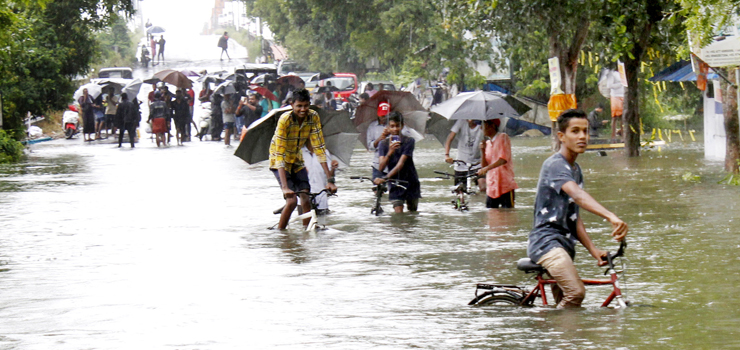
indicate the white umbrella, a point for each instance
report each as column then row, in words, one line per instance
column 225, row 88
column 477, row 105
column 94, row 90
column 132, row 89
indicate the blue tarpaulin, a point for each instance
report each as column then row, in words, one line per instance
column 680, row 71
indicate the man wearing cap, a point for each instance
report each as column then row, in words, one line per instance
column 376, row 132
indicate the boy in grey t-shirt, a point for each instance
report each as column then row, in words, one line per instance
column 557, row 222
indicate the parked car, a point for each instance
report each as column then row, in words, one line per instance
column 287, row 66
column 306, row 76
column 343, row 85
column 386, row 84
column 116, row 72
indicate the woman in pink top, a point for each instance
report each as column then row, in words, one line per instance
column 497, row 166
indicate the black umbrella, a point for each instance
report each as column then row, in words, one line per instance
column 340, row 135
column 320, row 76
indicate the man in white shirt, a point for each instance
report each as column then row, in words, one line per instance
column 616, row 92
column 469, row 137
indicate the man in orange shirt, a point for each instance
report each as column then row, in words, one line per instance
column 497, row 166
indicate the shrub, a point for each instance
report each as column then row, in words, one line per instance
column 10, row 150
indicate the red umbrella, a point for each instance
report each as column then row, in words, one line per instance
column 174, row 77
column 291, row 79
column 264, row 92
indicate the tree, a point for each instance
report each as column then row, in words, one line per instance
column 419, row 36
column 530, row 32
column 47, row 44
column 629, row 28
column 704, row 19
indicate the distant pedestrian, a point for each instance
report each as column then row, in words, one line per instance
column 251, row 110
column 330, row 104
column 160, row 55
column 223, row 43
column 190, row 95
column 99, row 109
column 153, row 44
column 127, row 115
column 217, row 121
column 469, row 137
column 182, row 116
column 111, row 104
column 594, row 121
column 364, row 97
column 227, row 108
column 497, row 166
column 266, row 105
column 87, row 105
column 370, row 90
column 616, row 93
column 205, row 93
column 158, row 113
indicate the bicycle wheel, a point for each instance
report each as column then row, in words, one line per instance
column 499, row 300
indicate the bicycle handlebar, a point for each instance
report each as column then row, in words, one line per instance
column 448, row 175
column 620, row 252
column 387, row 180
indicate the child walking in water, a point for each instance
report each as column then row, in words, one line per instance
column 397, row 153
column 557, row 221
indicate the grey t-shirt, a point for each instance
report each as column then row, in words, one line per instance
column 555, row 213
column 468, row 144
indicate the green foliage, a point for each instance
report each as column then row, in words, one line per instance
column 10, row 149
column 419, row 38
column 116, row 44
column 706, row 18
column 690, row 177
column 45, row 44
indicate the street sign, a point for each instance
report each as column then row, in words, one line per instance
column 722, row 53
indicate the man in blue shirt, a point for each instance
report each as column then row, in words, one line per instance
column 557, row 222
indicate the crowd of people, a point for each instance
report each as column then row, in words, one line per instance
column 108, row 112
column 560, row 194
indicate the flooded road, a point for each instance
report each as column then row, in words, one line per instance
column 106, row 248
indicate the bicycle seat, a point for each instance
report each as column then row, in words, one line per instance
column 529, row 266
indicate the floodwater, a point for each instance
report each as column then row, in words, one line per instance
column 168, row 248
column 106, row 248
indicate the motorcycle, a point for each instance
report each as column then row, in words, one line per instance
column 350, row 105
column 71, row 122
column 144, row 57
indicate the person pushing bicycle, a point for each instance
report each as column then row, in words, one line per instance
column 294, row 129
column 557, row 222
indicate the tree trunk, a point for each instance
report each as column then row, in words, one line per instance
column 732, row 125
column 568, row 57
column 631, row 114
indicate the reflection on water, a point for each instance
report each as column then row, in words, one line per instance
column 169, row 248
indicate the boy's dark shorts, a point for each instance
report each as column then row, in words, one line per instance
column 505, row 201
column 411, row 204
column 297, row 181
column 228, row 125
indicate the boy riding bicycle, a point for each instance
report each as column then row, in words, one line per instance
column 557, row 222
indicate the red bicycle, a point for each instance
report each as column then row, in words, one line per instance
column 502, row 294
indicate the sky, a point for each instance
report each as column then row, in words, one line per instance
column 181, row 16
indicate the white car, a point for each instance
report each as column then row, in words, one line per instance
column 386, row 84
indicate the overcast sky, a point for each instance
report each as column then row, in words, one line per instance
column 182, row 16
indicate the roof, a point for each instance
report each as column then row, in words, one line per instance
column 679, row 71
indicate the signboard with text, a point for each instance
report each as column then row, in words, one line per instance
column 722, row 53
